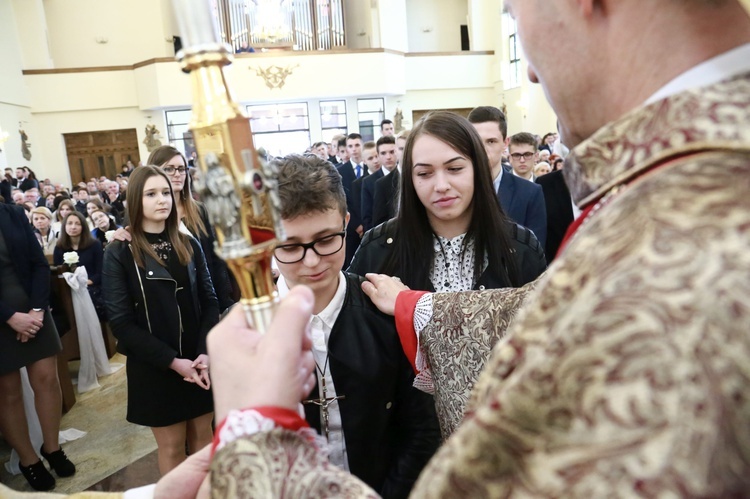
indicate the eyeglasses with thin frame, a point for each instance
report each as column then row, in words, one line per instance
column 323, row 246
column 171, row 170
column 525, row 155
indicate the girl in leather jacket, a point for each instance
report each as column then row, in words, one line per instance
column 161, row 305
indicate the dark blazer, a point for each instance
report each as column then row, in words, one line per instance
column 220, row 276
column 346, row 170
column 30, row 263
column 523, row 202
column 559, row 210
column 81, row 208
column 142, row 308
column 385, row 198
column 377, row 246
column 5, row 191
column 28, row 183
column 368, row 198
column 390, row 428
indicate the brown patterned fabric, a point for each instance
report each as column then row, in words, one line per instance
column 627, row 372
column 458, row 341
column 280, row 464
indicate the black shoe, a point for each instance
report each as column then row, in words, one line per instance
column 59, row 462
column 38, row 476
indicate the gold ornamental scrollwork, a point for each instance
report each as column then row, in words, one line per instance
column 274, row 76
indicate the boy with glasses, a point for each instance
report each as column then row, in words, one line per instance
column 377, row 425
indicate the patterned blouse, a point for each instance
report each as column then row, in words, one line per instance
column 453, row 268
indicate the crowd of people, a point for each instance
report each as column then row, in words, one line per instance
column 147, row 245
column 433, row 352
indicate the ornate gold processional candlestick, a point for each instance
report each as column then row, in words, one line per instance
column 238, row 188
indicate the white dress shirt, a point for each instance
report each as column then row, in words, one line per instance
column 321, row 326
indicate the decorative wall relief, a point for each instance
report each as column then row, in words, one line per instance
column 151, row 142
column 25, row 145
column 274, row 76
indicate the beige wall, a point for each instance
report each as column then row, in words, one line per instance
column 14, row 98
column 442, row 18
column 134, row 30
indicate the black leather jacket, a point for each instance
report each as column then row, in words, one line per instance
column 390, row 428
column 377, row 245
column 142, row 308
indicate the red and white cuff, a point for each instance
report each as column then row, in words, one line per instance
column 245, row 422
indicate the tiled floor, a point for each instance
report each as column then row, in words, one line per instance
column 142, row 472
column 114, row 455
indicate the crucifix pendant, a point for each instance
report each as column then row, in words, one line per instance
column 324, row 402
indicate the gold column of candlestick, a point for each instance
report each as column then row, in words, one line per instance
column 238, row 188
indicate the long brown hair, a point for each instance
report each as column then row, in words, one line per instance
column 161, row 156
column 140, row 246
column 65, row 202
column 84, row 240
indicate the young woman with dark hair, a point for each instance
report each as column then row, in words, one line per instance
column 75, row 236
column 103, row 223
column 450, row 233
column 194, row 217
column 161, row 304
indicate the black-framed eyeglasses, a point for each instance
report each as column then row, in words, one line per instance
column 525, row 155
column 323, row 246
column 170, row 170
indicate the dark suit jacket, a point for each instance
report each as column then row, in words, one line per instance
column 390, row 428
column 346, row 170
column 5, row 191
column 559, row 210
column 368, row 198
column 523, row 202
column 27, row 255
column 28, row 183
column 385, row 199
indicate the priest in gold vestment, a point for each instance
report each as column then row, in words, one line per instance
column 625, row 371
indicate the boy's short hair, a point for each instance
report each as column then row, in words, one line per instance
column 368, row 145
column 353, row 136
column 385, row 139
column 341, row 143
column 523, row 138
column 309, row 185
column 404, row 134
column 484, row 114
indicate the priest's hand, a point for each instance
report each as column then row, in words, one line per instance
column 253, row 370
column 383, row 290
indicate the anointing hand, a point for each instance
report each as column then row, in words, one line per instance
column 253, row 370
column 383, row 290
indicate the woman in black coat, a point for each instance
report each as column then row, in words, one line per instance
column 28, row 338
column 161, row 304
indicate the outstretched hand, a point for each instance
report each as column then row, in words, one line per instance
column 383, row 291
column 253, row 370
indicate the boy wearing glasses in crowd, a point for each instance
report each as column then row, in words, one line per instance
column 378, row 426
column 523, row 155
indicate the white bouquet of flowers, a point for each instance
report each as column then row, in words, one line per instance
column 70, row 258
column 109, row 235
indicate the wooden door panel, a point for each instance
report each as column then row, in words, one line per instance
column 97, row 153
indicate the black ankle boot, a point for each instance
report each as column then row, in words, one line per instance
column 59, row 462
column 38, row 476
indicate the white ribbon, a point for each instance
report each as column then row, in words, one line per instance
column 94, row 359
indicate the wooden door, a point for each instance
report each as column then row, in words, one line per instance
column 100, row 153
